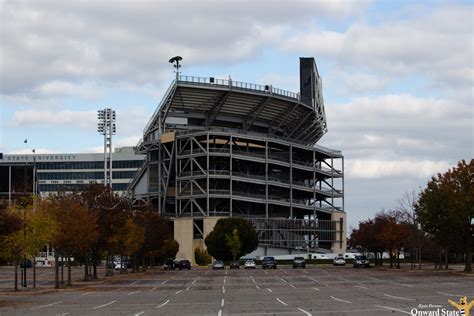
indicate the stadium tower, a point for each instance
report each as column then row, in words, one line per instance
column 217, row 148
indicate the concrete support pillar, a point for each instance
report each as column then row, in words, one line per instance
column 340, row 245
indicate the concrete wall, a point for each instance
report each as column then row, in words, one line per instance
column 183, row 234
column 336, row 246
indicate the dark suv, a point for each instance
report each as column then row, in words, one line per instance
column 299, row 262
column 269, row 262
column 168, row 264
column 184, row 264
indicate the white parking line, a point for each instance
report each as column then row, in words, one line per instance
column 304, row 271
column 258, row 287
column 194, row 281
column 283, row 280
column 131, row 293
column 222, row 303
column 281, row 301
column 87, row 293
column 163, row 304
column 361, row 286
column 164, row 281
column 447, row 294
column 400, row 298
column 187, row 289
column 253, row 280
column 338, row 299
column 178, row 292
column 314, row 280
column 293, row 286
column 154, row 288
column 100, row 306
column 315, row 288
column 270, row 290
column 393, row 309
column 302, row 310
column 265, row 272
column 138, row 314
column 223, row 290
column 219, row 313
column 407, row 285
column 47, row 305
column 134, row 282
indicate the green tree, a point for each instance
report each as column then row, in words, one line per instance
column 216, row 241
column 445, row 209
column 234, row 244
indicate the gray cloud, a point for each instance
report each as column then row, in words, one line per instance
column 132, row 40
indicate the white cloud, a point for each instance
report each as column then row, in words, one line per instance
column 29, row 151
column 31, row 118
column 62, row 88
column 437, row 44
column 127, row 141
column 400, row 127
column 369, row 168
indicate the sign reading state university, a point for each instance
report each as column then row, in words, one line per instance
column 42, row 157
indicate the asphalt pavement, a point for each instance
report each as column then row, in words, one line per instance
column 316, row 290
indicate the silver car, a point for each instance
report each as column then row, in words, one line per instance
column 250, row 264
column 218, row 264
column 339, row 260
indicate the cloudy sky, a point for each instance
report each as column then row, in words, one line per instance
column 397, row 75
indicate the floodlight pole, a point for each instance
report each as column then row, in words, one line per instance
column 106, row 126
column 175, row 61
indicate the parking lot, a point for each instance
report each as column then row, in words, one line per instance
column 316, row 290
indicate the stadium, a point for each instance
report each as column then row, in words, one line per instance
column 218, row 148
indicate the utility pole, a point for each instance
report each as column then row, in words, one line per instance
column 106, row 126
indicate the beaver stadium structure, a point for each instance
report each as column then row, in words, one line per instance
column 217, row 148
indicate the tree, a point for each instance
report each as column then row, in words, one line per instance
column 216, row 241
column 446, row 209
column 365, row 238
column 77, row 229
column 157, row 242
column 201, row 257
column 42, row 227
column 10, row 247
column 130, row 241
column 234, row 244
column 110, row 212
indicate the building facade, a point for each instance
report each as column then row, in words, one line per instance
column 53, row 173
column 217, row 148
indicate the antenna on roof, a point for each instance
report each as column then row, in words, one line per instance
column 175, row 60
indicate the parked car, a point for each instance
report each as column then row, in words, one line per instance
column 299, row 262
column 361, row 261
column 184, row 264
column 339, row 260
column 169, row 264
column 269, row 262
column 250, row 264
column 218, row 264
column 235, row 265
